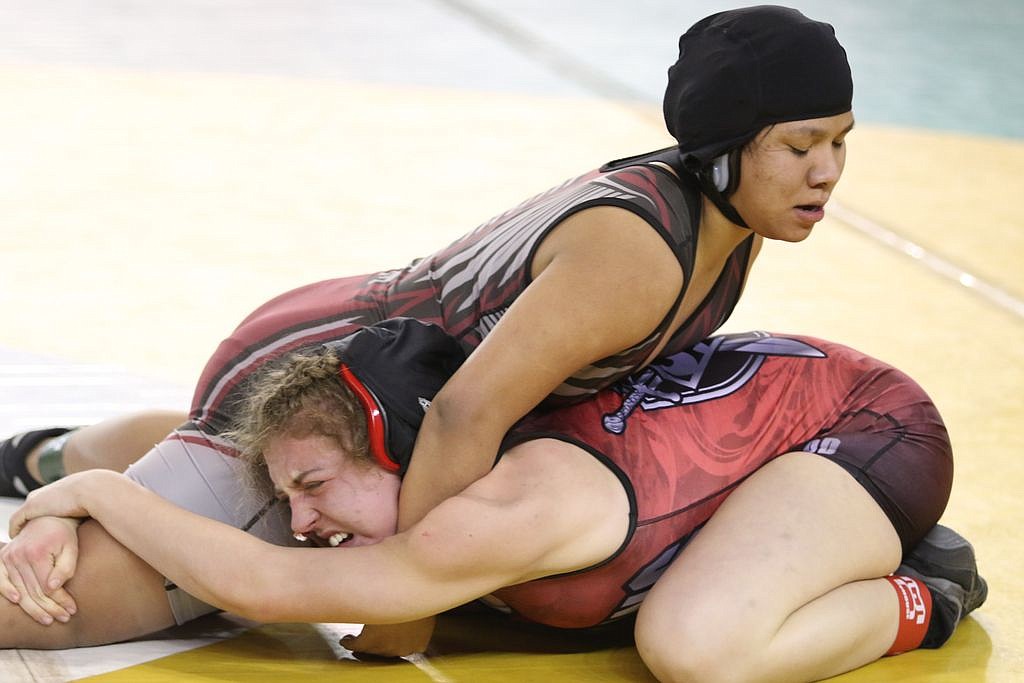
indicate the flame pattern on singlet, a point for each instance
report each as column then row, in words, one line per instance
column 682, row 434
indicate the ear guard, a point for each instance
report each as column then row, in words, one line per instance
column 718, row 180
column 395, row 368
column 376, row 421
column 725, row 172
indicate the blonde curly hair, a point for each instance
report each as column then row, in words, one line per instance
column 301, row 395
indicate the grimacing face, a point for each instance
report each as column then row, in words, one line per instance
column 335, row 498
column 788, row 173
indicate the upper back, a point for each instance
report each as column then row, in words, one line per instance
column 470, row 284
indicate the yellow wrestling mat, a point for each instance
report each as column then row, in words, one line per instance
column 161, row 209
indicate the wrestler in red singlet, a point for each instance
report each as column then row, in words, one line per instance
column 683, row 433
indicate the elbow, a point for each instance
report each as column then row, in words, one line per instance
column 242, row 597
column 263, row 605
column 276, row 590
column 451, row 409
column 456, row 415
column 270, row 595
column 458, row 436
column 249, row 593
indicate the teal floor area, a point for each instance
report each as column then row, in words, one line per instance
column 942, row 64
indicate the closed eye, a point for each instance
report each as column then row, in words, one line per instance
column 307, row 487
column 797, row 151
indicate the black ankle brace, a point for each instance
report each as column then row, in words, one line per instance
column 15, row 479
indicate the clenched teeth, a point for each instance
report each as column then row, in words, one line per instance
column 337, row 539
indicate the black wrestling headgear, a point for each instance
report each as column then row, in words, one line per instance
column 395, row 368
column 741, row 70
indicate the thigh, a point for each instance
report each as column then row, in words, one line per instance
column 190, row 469
column 117, row 442
column 902, row 458
column 796, row 529
column 118, row 595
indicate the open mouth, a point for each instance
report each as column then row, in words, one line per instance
column 338, row 539
column 810, row 213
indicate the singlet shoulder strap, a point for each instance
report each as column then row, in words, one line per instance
column 669, row 156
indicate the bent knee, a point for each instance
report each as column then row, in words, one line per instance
column 688, row 647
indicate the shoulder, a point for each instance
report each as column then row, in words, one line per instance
column 605, row 235
column 547, row 507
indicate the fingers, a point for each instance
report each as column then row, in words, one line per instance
column 23, row 515
column 35, row 568
column 34, row 602
column 64, row 600
column 62, row 498
column 16, row 522
column 63, row 567
column 371, row 647
column 33, row 590
column 41, row 502
column 7, row 588
column 392, row 640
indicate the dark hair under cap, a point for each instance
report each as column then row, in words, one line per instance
column 395, row 368
column 741, row 70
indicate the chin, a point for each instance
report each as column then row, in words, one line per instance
column 796, row 234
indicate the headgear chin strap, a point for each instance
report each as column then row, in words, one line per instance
column 395, row 368
column 723, row 204
column 715, row 191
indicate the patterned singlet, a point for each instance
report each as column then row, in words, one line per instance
column 468, row 286
column 684, row 432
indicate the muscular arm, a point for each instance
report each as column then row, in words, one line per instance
column 520, row 522
column 602, row 282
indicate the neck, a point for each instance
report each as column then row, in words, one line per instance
column 717, row 232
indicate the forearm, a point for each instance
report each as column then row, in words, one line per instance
column 198, row 554
column 232, row 570
column 450, row 454
column 387, row 582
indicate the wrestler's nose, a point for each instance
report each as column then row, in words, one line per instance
column 827, row 168
column 304, row 517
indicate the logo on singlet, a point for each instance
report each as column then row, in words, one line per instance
column 716, row 367
column 635, row 589
column 828, row 445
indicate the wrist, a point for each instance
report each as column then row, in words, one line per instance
column 98, row 488
column 71, row 522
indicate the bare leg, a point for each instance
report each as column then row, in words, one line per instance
column 782, row 584
column 113, row 444
column 119, row 597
